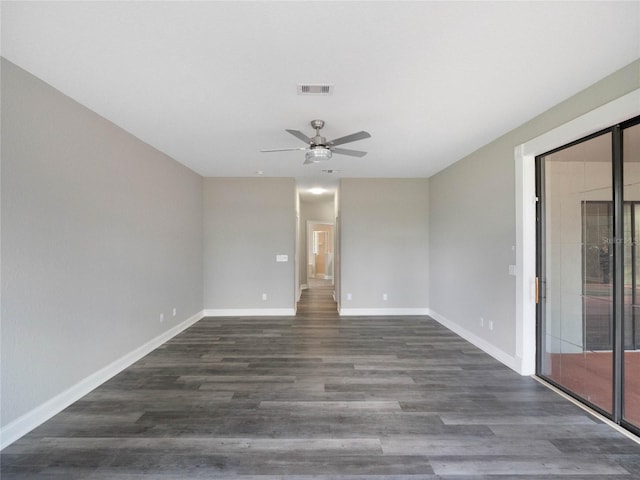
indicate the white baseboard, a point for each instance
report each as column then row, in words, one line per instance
column 379, row 312
column 513, row 363
column 30, row 420
column 249, row 312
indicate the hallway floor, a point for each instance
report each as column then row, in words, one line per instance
column 319, row 397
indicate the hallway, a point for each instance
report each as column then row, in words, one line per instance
column 317, row 299
column 324, row 397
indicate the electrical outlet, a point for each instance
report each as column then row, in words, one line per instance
column 385, row 297
column 174, row 311
column 481, row 321
column 264, row 297
column 490, row 324
column 349, row 296
column 161, row 317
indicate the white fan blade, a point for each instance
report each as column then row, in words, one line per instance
column 281, row 149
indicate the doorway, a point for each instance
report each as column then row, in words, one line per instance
column 317, row 252
column 320, row 253
column 588, row 303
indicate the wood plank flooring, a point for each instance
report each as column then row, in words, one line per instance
column 321, row 397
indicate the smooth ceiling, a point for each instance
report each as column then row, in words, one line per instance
column 211, row 83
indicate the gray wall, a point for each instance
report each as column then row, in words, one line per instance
column 472, row 221
column 100, row 235
column 323, row 211
column 247, row 222
column 384, row 241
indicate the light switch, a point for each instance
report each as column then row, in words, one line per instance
column 282, row 258
column 512, row 270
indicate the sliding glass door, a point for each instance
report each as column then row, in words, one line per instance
column 588, row 280
column 577, row 283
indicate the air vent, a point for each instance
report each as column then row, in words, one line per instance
column 331, row 171
column 314, row 89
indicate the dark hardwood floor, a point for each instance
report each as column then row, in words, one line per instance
column 321, row 397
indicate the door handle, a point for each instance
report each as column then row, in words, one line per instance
column 537, row 291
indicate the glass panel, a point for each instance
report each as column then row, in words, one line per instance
column 577, row 304
column 631, row 175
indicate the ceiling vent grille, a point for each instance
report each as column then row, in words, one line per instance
column 314, row 89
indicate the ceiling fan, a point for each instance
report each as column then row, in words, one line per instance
column 319, row 148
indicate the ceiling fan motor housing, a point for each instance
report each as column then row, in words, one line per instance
column 318, row 141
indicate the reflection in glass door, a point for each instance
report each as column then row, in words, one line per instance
column 588, row 270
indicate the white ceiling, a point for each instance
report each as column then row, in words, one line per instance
column 211, row 83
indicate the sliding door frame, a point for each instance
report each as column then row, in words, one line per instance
column 620, row 360
column 541, row 274
column 618, row 272
column 617, row 242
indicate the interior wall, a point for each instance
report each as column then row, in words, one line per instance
column 247, row 222
column 323, row 211
column 384, row 241
column 101, row 234
column 472, row 223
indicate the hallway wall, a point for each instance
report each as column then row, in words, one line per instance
column 247, row 222
column 384, row 241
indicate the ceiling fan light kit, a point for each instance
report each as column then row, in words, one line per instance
column 317, row 154
column 319, row 149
